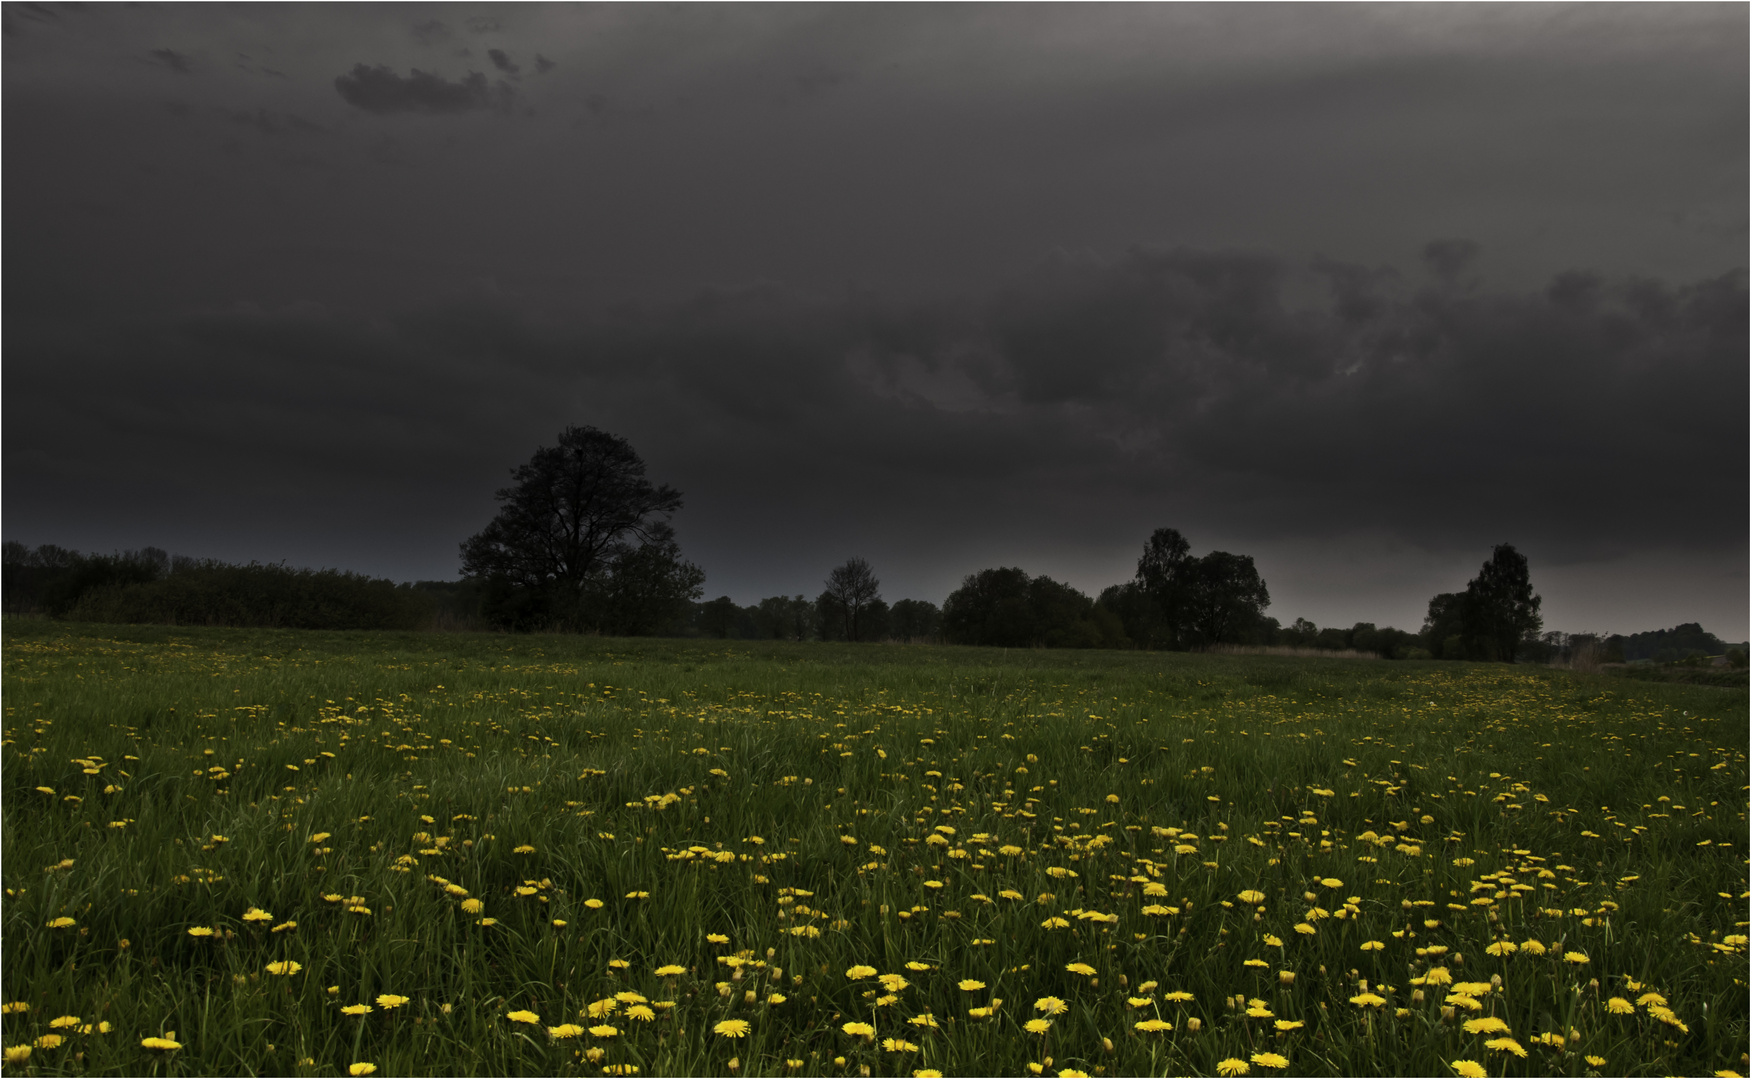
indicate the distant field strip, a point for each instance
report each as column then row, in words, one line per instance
column 305, row 853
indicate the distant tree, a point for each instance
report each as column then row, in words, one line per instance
column 1165, row 576
column 718, row 617
column 1682, row 641
column 1501, row 608
column 1006, row 607
column 850, row 589
column 577, row 513
column 644, row 589
column 1130, row 607
column 1444, row 626
column 786, row 617
column 990, row 608
column 915, row 620
column 1224, row 599
column 1300, row 633
column 873, row 621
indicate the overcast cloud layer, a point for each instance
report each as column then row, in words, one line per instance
column 1358, row 291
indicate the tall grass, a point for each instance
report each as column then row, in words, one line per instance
column 772, row 816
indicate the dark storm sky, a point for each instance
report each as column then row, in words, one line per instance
column 1358, row 290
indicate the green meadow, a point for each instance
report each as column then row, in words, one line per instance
column 298, row 853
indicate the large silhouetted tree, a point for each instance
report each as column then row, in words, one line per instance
column 578, row 515
column 1225, row 599
column 1492, row 618
column 1165, row 578
column 1501, row 607
column 851, row 592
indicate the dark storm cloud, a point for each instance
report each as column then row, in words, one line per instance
column 1425, row 278
column 173, row 60
column 1449, row 419
column 431, row 32
column 380, row 90
column 274, row 124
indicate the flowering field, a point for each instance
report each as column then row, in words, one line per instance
column 316, row 854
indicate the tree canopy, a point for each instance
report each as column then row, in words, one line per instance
column 582, row 540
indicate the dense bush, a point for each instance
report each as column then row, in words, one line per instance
column 150, row 587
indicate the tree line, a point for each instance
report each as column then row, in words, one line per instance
column 582, row 543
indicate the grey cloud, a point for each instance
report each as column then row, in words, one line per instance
column 483, row 24
column 1448, row 259
column 543, row 65
column 380, row 90
column 502, row 62
column 173, row 60
column 274, row 123
column 429, row 33
column 1163, row 379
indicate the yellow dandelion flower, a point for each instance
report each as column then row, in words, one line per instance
column 1485, row 1025
column 1051, row 1006
column 1233, row 1067
column 355, row 1010
column 671, row 969
column 1037, row 1026
column 855, row 1027
column 1467, row 1067
column 522, row 1016
column 860, row 971
column 1595, row 1060
column 565, row 1031
column 285, row 967
column 157, row 1043
column 1372, row 946
column 1250, row 896
column 1304, row 928
column 593, row 903
column 1271, row 1061
column 472, row 906
column 256, row 914
column 1576, row 957
column 18, row 1055
column 609, row 1031
column 642, row 1013
column 391, row 1001
column 361, row 1068
column 1506, row 1045
column 1619, row 1007
column 971, row 984
column 14, row 1007
column 914, row 965
column 49, row 1042
column 1534, row 946
column 1080, row 969
column 1367, row 1000
column 1153, row 1025
column 200, row 931
column 1288, row 1025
